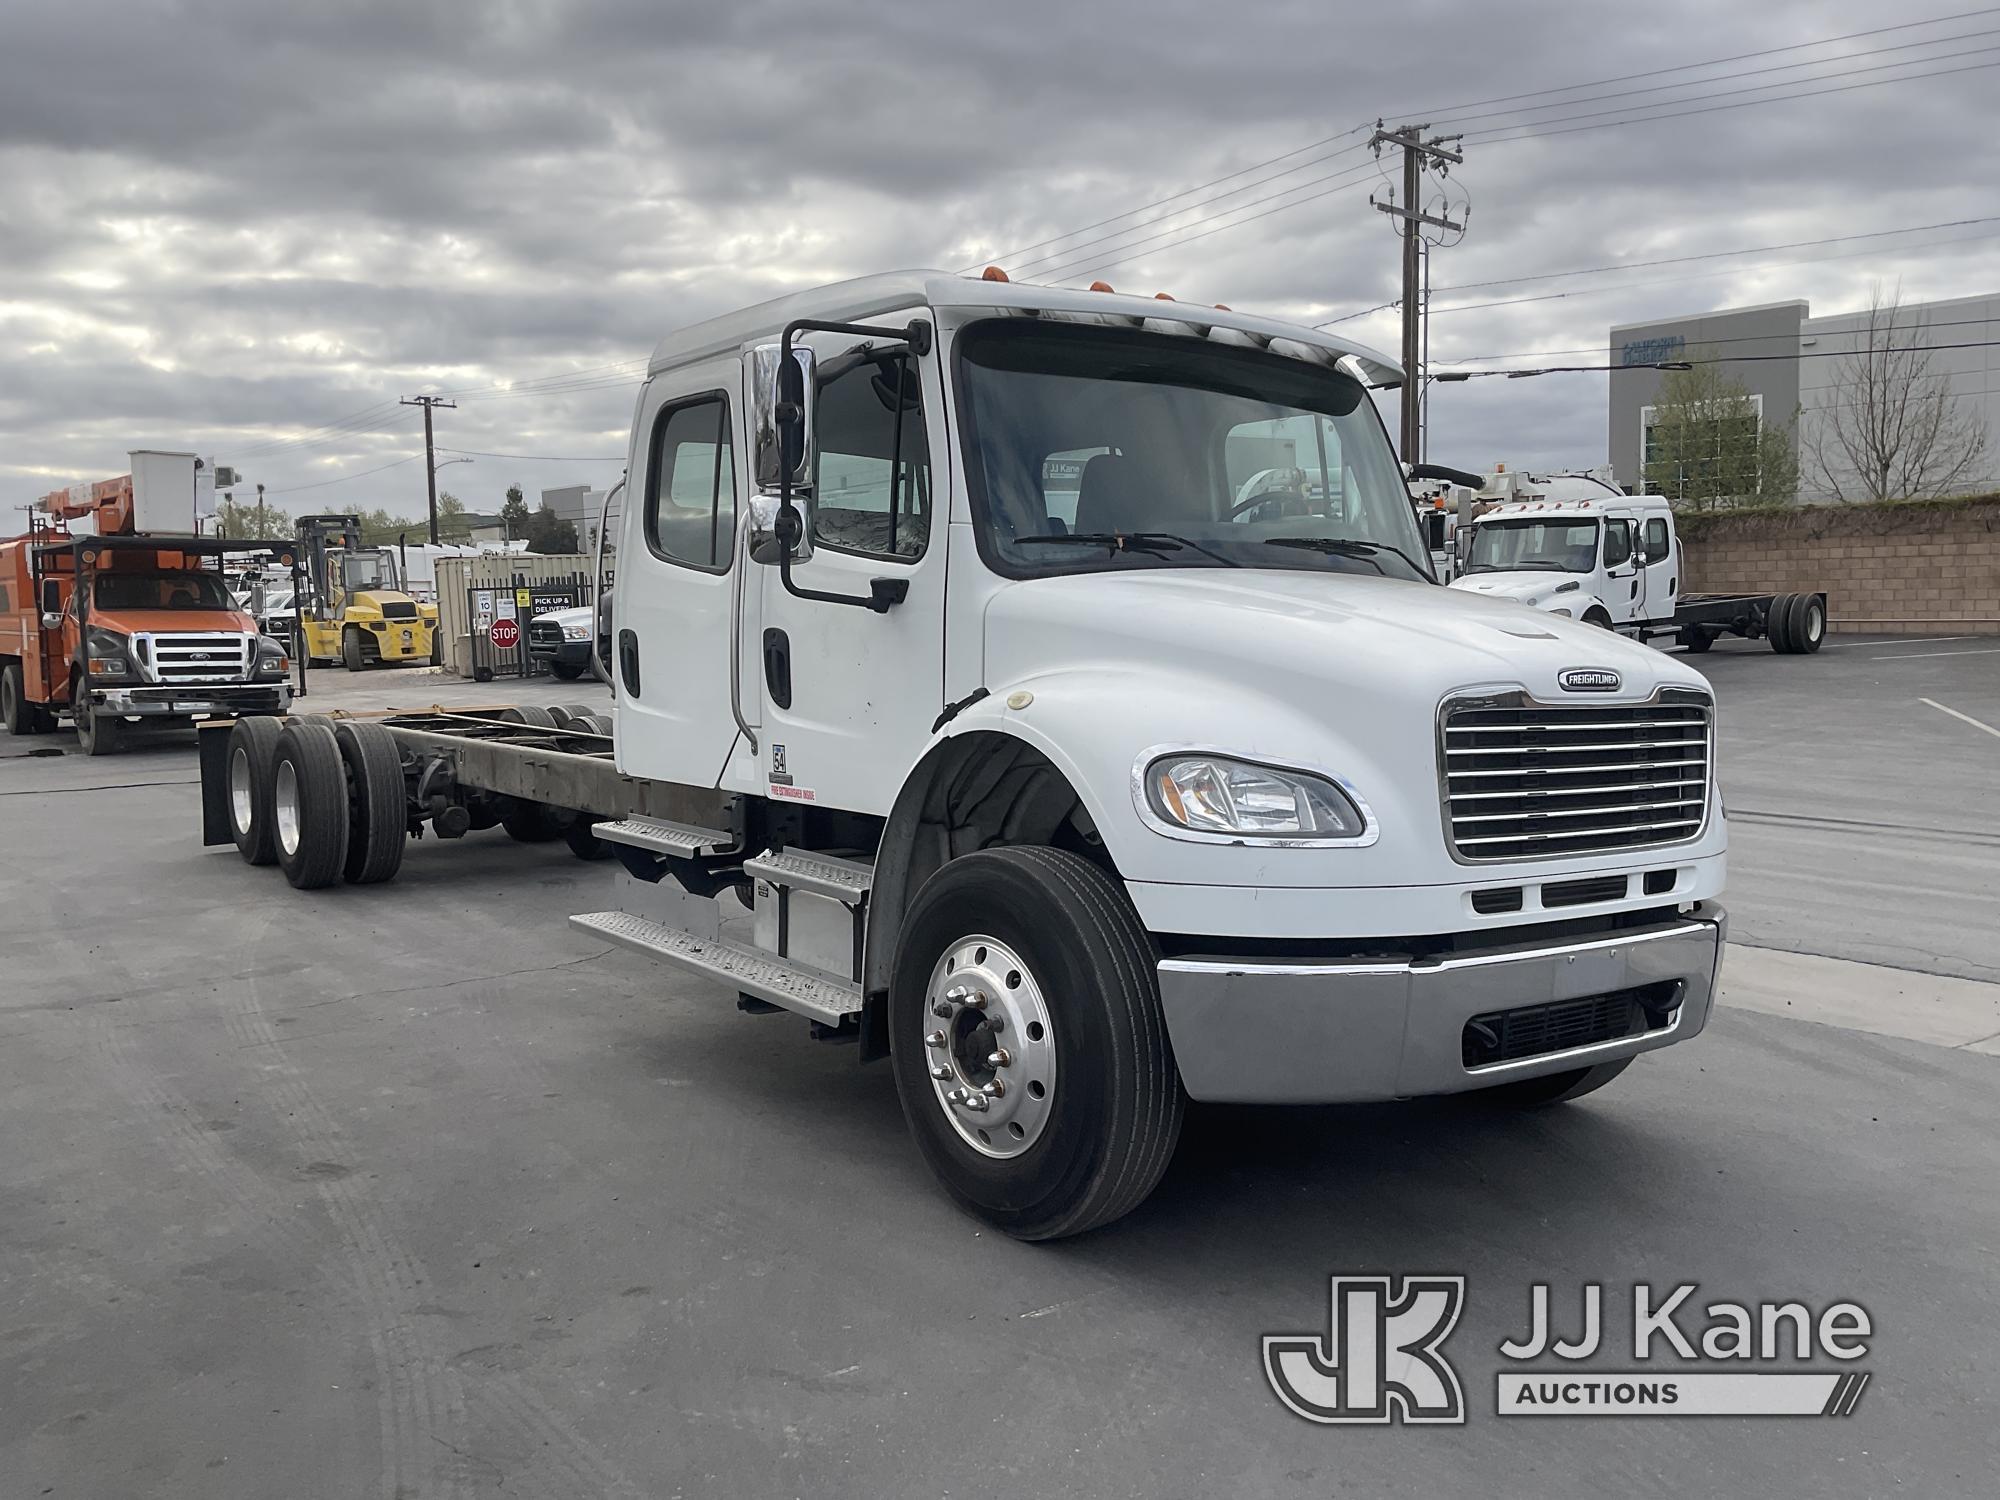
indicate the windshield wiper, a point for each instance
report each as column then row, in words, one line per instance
column 1348, row 546
column 1161, row 542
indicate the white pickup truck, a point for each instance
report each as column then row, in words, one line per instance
column 1061, row 765
column 1578, row 546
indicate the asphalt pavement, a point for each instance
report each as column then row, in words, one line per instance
column 411, row 1190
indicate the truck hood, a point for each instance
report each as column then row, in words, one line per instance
column 163, row 621
column 583, row 614
column 1522, row 588
column 1302, row 635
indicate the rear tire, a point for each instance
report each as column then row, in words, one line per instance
column 1806, row 624
column 594, row 723
column 1695, row 640
column 1556, row 1088
column 253, row 743
column 536, row 822
column 1778, row 624
column 350, row 651
column 566, row 714
column 531, row 714
column 582, row 842
column 309, row 805
column 1100, row 1143
column 378, row 816
column 15, row 709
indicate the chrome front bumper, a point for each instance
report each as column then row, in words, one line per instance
column 1271, row 1032
column 190, row 699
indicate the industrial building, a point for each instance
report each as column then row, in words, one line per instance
column 1791, row 362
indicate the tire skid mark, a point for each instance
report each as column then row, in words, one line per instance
column 557, row 1458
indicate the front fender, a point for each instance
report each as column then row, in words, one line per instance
column 1096, row 727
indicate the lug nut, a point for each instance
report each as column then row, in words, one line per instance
column 999, row 1057
column 940, row 1073
column 995, row 1089
column 977, row 1103
column 935, row 1039
column 941, row 1009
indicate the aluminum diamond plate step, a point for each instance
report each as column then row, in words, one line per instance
column 681, row 840
column 820, row 874
column 748, row 970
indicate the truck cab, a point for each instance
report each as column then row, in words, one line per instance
column 1062, row 680
column 1579, row 547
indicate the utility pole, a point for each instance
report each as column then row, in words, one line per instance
column 430, row 451
column 1419, row 155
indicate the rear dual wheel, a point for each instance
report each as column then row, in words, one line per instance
column 1028, row 1043
column 1796, row 624
column 324, row 800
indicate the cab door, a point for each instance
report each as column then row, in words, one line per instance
column 850, row 695
column 1622, row 582
column 1659, row 568
column 674, row 609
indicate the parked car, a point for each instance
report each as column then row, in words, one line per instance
column 563, row 639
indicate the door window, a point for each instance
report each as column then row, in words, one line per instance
column 1617, row 543
column 691, row 485
column 1656, row 539
column 872, row 487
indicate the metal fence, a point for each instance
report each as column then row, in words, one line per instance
column 499, row 611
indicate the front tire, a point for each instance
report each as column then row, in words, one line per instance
column 96, row 734
column 567, row 671
column 350, row 651
column 1053, row 948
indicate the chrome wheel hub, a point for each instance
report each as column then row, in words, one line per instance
column 239, row 790
column 285, row 807
column 989, row 1047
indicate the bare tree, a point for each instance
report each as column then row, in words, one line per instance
column 1889, row 427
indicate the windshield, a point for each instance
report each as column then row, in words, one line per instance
column 367, row 570
column 1091, row 448
column 1533, row 545
column 160, row 591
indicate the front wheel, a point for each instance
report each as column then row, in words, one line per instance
column 15, row 708
column 1028, row 1043
column 96, row 734
column 567, row 671
column 350, row 651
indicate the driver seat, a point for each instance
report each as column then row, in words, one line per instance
column 1113, row 495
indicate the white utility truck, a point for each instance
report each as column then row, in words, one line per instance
column 1576, row 545
column 1059, row 764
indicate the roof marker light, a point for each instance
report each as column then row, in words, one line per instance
column 1224, row 307
column 1163, row 296
column 993, row 273
column 1102, row 286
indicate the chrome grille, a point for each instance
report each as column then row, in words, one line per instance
column 1528, row 780
column 545, row 633
column 196, row 657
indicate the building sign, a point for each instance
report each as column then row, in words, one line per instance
column 1652, row 351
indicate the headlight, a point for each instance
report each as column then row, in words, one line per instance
column 1215, row 795
column 576, row 632
column 271, row 659
column 110, row 653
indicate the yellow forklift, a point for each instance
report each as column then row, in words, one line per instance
column 356, row 611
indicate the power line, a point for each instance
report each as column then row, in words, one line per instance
column 1707, row 343
column 1715, row 62
column 1732, row 359
column 1070, row 270
column 321, row 484
column 1497, row 139
column 1188, row 192
column 1533, row 127
column 553, row 458
column 1694, row 83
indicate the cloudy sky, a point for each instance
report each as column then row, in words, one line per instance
column 248, row 227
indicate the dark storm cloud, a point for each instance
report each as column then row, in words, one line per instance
column 231, row 222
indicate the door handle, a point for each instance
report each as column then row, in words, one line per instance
column 778, row 667
column 628, row 661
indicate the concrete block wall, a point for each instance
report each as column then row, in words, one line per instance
column 1898, row 570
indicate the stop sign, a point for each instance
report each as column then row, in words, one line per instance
column 505, row 634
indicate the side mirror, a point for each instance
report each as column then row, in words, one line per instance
column 773, row 533
column 51, row 620
column 51, row 598
column 781, row 415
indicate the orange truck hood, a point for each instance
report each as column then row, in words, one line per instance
column 129, row 621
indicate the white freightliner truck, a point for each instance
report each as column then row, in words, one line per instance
column 1053, row 771
column 1578, row 546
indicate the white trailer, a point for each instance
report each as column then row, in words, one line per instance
column 966, row 708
